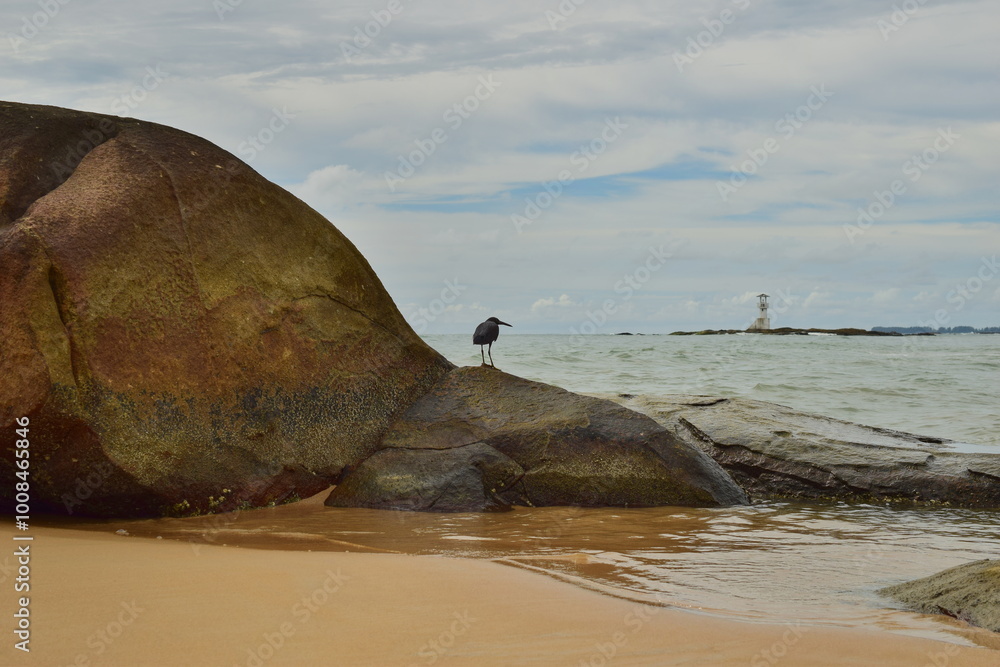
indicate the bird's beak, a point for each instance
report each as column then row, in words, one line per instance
column 505, row 324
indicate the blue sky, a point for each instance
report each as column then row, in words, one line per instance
column 630, row 165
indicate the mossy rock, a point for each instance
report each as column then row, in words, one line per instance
column 171, row 317
column 969, row 592
column 570, row 449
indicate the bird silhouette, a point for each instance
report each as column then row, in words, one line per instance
column 486, row 334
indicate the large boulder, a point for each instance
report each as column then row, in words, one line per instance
column 775, row 452
column 969, row 592
column 483, row 439
column 181, row 334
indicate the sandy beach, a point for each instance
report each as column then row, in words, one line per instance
column 105, row 599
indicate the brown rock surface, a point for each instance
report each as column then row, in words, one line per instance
column 568, row 450
column 177, row 328
column 457, row 479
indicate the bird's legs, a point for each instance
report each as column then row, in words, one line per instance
column 483, row 355
column 491, row 354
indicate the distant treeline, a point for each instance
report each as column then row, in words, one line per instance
column 942, row 330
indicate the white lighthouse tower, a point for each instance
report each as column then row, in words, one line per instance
column 763, row 322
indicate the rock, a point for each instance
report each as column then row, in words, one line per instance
column 775, row 452
column 545, row 446
column 969, row 592
column 458, row 479
column 182, row 334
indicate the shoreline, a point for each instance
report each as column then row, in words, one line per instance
column 105, row 599
column 789, row 331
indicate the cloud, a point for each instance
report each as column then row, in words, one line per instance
column 816, row 299
column 745, row 110
column 334, row 187
column 887, row 296
column 564, row 301
column 746, row 297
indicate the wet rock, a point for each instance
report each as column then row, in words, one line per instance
column 182, row 334
column 775, row 452
column 571, row 449
column 969, row 592
column 459, row 479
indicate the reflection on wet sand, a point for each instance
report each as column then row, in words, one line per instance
column 773, row 562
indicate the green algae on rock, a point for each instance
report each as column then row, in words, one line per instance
column 969, row 592
column 172, row 316
column 559, row 448
column 470, row 478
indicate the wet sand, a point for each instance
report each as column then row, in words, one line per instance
column 723, row 561
column 104, row 599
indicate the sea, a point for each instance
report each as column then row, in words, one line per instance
column 946, row 386
column 775, row 562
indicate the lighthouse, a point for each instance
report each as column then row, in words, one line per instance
column 763, row 322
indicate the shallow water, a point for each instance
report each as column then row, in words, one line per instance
column 816, row 563
column 774, row 562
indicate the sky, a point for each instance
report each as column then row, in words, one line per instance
column 586, row 165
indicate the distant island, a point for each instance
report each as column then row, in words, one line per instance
column 874, row 331
column 788, row 331
column 941, row 330
column 762, row 325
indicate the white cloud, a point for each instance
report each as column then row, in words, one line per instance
column 564, row 301
column 886, row 296
column 334, row 187
column 782, row 230
column 816, row 299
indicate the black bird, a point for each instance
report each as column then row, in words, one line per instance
column 486, row 333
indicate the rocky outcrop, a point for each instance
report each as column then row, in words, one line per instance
column 499, row 440
column 182, row 334
column 969, row 592
column 775, row 452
